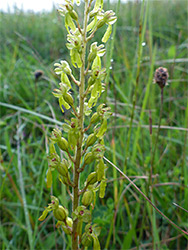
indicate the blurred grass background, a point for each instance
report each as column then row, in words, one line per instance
column 148, row 35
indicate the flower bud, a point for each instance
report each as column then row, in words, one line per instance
column 69, row 222
column 87, row 198
column 74, row 15
column 89, row 157
column 91, row 140
column 62, row 169
column 63, row 144
column 60, row 213
column 100, row 23
column 68, row 98
column 95, row 118
column 91, row 179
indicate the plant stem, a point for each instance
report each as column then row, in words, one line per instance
column 152, row 170
column 157, row 137
column 81, row 125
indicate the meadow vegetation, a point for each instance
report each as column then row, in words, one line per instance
column 147, row 35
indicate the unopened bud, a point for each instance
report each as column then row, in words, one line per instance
column 100, row 23
column 63, row 144
column 89, row 157
column 68, row 98
column 92, row 178
column 91, row 140
column 87, row 198
column 74, row 15
column 60, row 213
column 62, row 169
column 95, row 118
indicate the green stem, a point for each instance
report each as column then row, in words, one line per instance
column 155, row 237
column 75, row 243
column 157, row 137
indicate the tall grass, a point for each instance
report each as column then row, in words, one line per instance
column 33, row 41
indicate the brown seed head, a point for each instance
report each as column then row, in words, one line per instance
column 38, row 74
column 161, row 77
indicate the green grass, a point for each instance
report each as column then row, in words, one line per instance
column 29, row 112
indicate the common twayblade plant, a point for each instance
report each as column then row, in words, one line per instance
column 81, row 137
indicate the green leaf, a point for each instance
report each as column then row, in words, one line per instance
column 49, row 178
column 107, row 34
column 96, row 244
column 102, row 129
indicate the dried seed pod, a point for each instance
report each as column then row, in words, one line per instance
column 38, row 73
column 161, row 77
